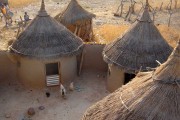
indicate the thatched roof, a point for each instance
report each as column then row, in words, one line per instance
column 138, row 48
column 149, row 96
column 73, row 13
column 46, row 38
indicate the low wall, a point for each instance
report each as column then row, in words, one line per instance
column 93, row 59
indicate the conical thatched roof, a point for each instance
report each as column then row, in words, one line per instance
column 46, row 38
column 73, row 13
column 149, row 96
column 138, row 48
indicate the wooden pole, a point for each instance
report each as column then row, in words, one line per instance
column 122, row 5
column 81, row 63
column 18, row 32
column 75, row 32
column 128, row 13
column 91, row 32
column 133, row 7
column 79, row 32
column 161, row 6
column 117, row 12
column 175, row 6
column 154, row 12
column 170, row 15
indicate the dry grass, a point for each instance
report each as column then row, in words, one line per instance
column 20, row 3
column 170, row 34
column 107, row 33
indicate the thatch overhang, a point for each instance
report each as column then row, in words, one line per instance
column 74, row 13
column 45, row 38
column 150, row 96
column 139, row 47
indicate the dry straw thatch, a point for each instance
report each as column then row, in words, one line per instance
column 150, row 96
column 74, row 13
column 45, row 38
column 138, row 48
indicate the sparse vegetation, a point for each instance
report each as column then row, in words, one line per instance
column 108, row 33
column 20, row 3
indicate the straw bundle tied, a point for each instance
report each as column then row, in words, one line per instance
column 45, row 38
column 74, row 13
column 140, row 47
column 150, row 96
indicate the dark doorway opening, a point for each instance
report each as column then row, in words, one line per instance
column 52, row 69
column 128, row 77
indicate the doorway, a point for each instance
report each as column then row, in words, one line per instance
column 52, row 74
column 128, row 77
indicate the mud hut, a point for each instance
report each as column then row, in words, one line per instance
column 77, row 20
column 137, row 50
column 150, row 96
column 46, row 52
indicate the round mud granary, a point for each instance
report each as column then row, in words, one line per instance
column 151, row 95
column 77, row 20
column 46, row 52
column 137, row 50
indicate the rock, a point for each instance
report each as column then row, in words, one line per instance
column 41, row 108
column 7, row 115
column 31, row 111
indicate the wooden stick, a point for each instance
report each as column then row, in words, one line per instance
column 81, row 63
column 161, row 6
column 75, row 32
column 18, row 32
column 175, row 6
column 169, row 22
column 128, row 13
column 79, row 32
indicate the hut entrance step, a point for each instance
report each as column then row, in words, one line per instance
column 52, row 80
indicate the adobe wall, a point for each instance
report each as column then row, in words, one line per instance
column 8, row 69
column 93, row 59
column 32, row 72
column 115, row 78
column 68, row 69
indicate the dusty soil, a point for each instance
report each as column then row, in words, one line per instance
column 103, row 9
column 15, row 100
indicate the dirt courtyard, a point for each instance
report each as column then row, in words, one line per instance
column 89, row 87
column 15, row 100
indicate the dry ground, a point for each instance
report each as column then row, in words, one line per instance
column 107, row 27
column 15, row 100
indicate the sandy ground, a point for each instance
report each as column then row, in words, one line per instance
column 103, row 9
column 15, row 100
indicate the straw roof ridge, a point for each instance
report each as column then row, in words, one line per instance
column 139, row 47
column 45, row 38
column 150, row 96
column 73, row 13
column 168, row 72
